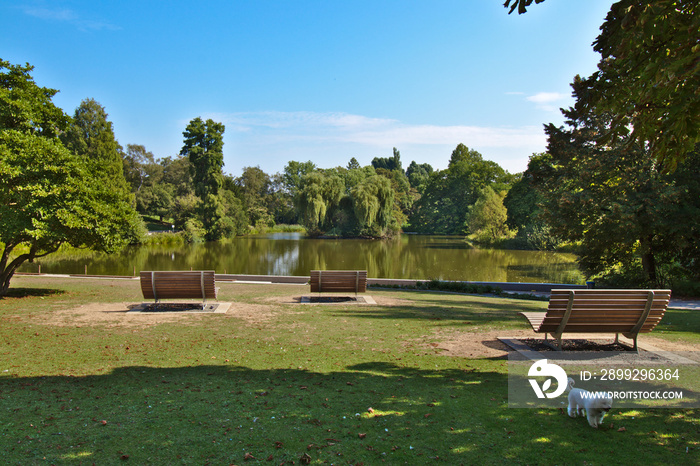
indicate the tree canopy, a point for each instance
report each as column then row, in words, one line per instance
column 448, row 194
column 203, row 147
column 617, row 204
column 49, row 195
column 648, row 78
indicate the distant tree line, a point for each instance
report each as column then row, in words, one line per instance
column 378, row 200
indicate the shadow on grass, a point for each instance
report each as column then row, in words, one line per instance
column 365, row 414
column 32, row 292
column 473, row 309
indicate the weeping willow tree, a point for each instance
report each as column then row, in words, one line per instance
column 318, row 194
column 373, row 203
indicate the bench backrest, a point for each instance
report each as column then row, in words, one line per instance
column 338, row 280
column 615, row 311
column 178, row 284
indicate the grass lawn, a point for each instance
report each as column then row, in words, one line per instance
column 276, row 382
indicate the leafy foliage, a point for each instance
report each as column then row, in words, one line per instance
column 388, row 163
column 203, row 147
column 448, row 194
column 521, row 5
column 26, row 107
column 487, row 217
column 649, row 76
column 49, row 195
column 616, row 201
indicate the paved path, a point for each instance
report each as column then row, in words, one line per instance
column 684, row 304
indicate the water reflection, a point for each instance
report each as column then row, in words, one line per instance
column 407, row 256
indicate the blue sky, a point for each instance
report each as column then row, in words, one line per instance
column 314, row 80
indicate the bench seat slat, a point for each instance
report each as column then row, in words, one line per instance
column 601, row 311
column 338, row 281
column 179, row 284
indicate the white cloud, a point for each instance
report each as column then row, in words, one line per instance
column 330, row 139
column 67, row 16
column 547, row 100
column 348, row 128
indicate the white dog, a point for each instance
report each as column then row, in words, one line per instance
column 596, row 404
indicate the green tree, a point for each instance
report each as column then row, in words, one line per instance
column 389, row 163
column 445, row 201
column 27, row 107
column 373, row 202
column 254, row 187
column 523, row 202
column 418, row 175
column 140, row 167
column 521, row 5
column 90, row 135
column 648, row 76
column 156, row 200
column 353, row 164
column 234, row 220
column 487, row 217
column 176, row 173
column 203, row 146
column 293, row 173
column 616, row 201
column 49, row 196
column 319, row 194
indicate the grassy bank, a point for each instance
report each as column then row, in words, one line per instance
column 276, row 382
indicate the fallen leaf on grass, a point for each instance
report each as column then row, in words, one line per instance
column 622, row 429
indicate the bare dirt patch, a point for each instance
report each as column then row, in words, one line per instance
column 485, row 344
column 117, row 315
column 476, row 345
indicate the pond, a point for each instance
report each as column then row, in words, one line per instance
column 407, row 256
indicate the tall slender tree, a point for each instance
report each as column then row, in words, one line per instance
column 203, row 146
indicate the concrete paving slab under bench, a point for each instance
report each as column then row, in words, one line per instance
column 181, row 308
column 337, row 300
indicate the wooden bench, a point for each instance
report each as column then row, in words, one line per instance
column 627, row 312
column 178, row 285
column 338, row 281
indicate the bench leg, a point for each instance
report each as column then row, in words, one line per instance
column 554, row 344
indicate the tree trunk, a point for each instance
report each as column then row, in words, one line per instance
column 7, row 271
column 649, row 262
column 5, row 282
